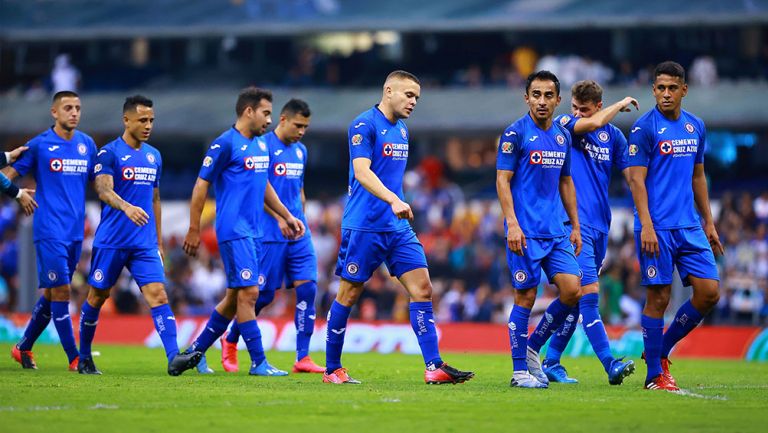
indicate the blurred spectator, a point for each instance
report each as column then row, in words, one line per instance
column 64, row 76
column 704, row 71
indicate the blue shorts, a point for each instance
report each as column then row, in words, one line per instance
column 241, row 262
column 145, row 266
column 56, row 262
column 287, row 262
column 361, row 253
column 594, row 244
column 555, row 256
column 686, row 248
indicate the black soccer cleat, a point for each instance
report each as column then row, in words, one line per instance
column 446, row 374
column 183, row 362
column 86, row 366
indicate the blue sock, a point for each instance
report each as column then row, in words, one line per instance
column 304, row 317
column 554, row 316
column 165, row 325
column 89, row 318
column 686, row 319
column 423, row 324
column 41, row 315
column 594, row 328
column 334, row 339
column 63, row 323
column 252, row 336
column 234, row 333
column 560, row 340
column 216, row 326
column 518, row 336
column 653, row 335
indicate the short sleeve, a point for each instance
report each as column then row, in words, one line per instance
column 567, row 122
column 216, row 158
column 640, row 146
column 565, row 170
column 362, row 138
column 620, row 153
column 509, row 150
column 28, row 159
column 105, row 162
column 159, row 160
column 702, row 148
column 304, row 161
column 92, row 152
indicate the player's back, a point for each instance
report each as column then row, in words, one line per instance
column 670, row 149
column 135, row 173
column 371, row 135
column 61, row 169
column 286, row 174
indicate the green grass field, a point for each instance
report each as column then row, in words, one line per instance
column 135, row 394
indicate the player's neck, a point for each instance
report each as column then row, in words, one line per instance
column 243, row 130
column 673, row 115
column 281, row 136
column 66, row 134
column 546, row 124
column 130, row 141
column 387, row 112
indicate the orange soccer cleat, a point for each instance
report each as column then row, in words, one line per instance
column 307, row 365
column 229, row 355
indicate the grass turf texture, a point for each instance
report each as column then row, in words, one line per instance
column 135, row 394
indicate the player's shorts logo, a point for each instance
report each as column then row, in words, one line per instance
column 403, row 133
column 249, row 163
column 151, row 158
column 299, row 154
column 98, row 275
column 246, row 274
column 262, row 280
column 207, row 161
column 52, row 276
column 386, row 150
column 651, row 271
column 280, row 169
column 535, row 157
column 603, row 136
column 353, row 268
column 632, row 149
column 560, row 139
column 506, row 147
column 357, row 139
column 128, row 173
column 81, row 149
column 665, row 147
column 262, row 145
column 564, row 120
column 56, row 165
column 521, row 276
column 97, row 168
column 689, row 127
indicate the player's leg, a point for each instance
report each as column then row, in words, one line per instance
column 301, row 273
column 266, row 296
column 59, row 278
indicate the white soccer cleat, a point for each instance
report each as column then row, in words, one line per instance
column 524, row 379
column 534, row 366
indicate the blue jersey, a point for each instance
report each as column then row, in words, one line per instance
column 538, row 158
column 237, row 168
column 372, row 136
column 136, row 174
column 62, row 169
column 286, row 174
column 670, row 149
column 592, row 156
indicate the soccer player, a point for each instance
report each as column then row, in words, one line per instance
column 129, row 235
column 22, row 195
column 666, row 176
column 237, row 163
column 375, row 229
column 533, row 177
column 285, row 260
column 597, row 146
column 61, row 160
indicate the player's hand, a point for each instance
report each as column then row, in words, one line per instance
column 16, row 153
column 516, row 239
column 296, row 227
column 402, row 210
column 192, row 242
column 714, row 239
column 576, row 240
column 626, row 102
column 27, row 203
column 285, row 229
column 136, row 215
column 649, row 244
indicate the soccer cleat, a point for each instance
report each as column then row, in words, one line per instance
column 24, row 357
column 73, row 364
column 661, row 382
column 86, row 366
column 557, row 373
column 665, row 363
column 184, row 361
column 229, row 355
column 264, row 369
column 339, row 376
column 619, row 370
column 534, row 366
column 307, row 365
column 446, row 374
column 202, row 366
column 524, row 379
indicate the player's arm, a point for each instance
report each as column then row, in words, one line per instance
column 157, row 209
column 196, row 204
column 568, row 197
column 515, row 237
column 7, row 158
column 701, row 197
column 649, row 241
column 596, row 121
column 374, row 185
column 105, row 188
column 271, row 200
column 285, row 229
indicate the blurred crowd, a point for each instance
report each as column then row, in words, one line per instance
column 464, row 242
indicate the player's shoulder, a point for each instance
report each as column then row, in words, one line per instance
column 516, row 128
column 562, row 119
column 364, row 121
column 692, row 118
column 224, row 139
column 148, row 148
column 83, row 137
column 40, row 138
column 645, row 123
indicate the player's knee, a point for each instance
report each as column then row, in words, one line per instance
column 60, row 294
column 247, row 296
column 658, row 299
column 423, row 292
column 708, row 296
column 97, row 297
column 525, row 298
column 590, row 288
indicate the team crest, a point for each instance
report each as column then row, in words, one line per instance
column 52, row 275
column 535, row 157
column 506, row 147
column 81, row 149
column 56, row 165
column 207, row 161
column 386, row 150
column 97, row 168
column 299, row 154
column 651, row 272
column 246, row 274
column 151, row 158
column 128, row 173
column 603, row 136
column 665, row 147
column 357, row 139
column 262, row 279
column 353, row 269
column 403, row 133
column 560, row 139
column 632, row 149
column 689, row 127
column 262, row 145
column 98, row 275
column 521, row 276
column 564, row 120
column 280, row 169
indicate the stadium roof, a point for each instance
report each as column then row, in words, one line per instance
column 85, row 19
